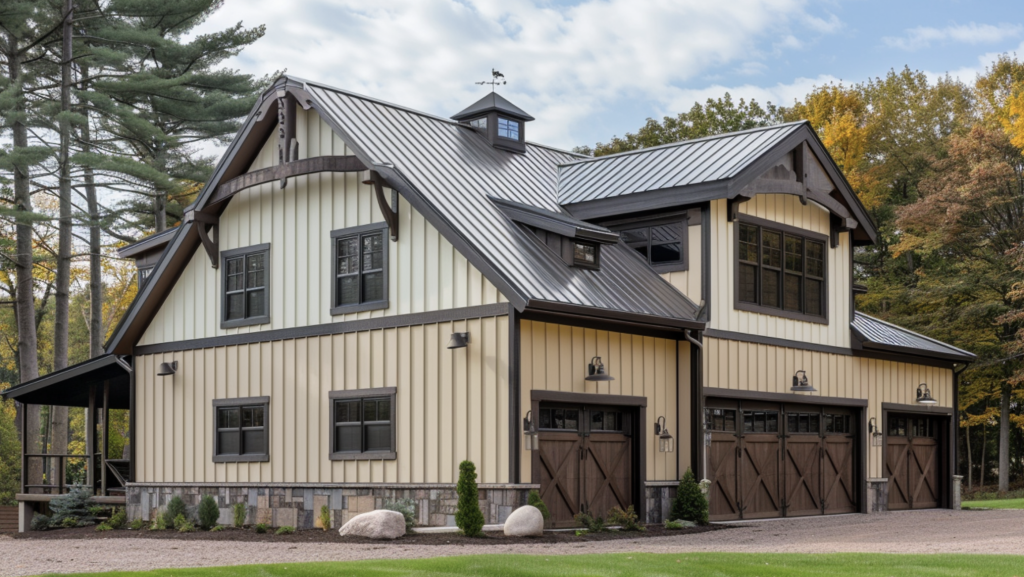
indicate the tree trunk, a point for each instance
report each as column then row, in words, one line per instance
column 1004, row 439
column 96, row 332
column 160, row 211
column 970, row 465
column 984, row 443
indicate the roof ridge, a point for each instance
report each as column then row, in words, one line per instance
column 915, row 333
column 682, row 142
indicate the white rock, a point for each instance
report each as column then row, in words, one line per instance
column 380, row 524
column 526, row 521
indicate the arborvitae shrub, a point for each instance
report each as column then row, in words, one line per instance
column 239, row 511
column 208, row 512
column 176, row 507
column 325, row 517
column 533, row 498
column 689, row 504
column 467, row 514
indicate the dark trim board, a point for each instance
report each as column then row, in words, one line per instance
column 903, row 358
column 921, row 409
column 588, row 398
column 282, row 171
column 515, row 412
column 434, row 317
column 611, row 315
column 775, row 342
column 783, row 397
column 600, row 324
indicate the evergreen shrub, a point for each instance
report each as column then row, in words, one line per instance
column 407, row 507
column 533, row 498
column 689, row 503
column 209, row 513
column 175, row 508
column 467, row 513
column 239, row 512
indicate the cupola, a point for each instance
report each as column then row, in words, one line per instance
column 502, row 122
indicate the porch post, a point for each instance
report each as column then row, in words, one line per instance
column 90, row 440
column 24, row 447
column 105, row 438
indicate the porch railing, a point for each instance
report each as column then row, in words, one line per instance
column 56, row 474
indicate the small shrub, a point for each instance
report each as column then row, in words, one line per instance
column 159, row 523
column 627, row 520
column 40, row 522
column 239, row 512
column 674, row 525
column 217, row 529
column 118, row 519
column 208, row 512
column 175, row 508
column 286, row 530
column 104, row 527
column 179, row 521
column 96, row 510
column 74, row 503
column 325, row 517
column 261, row 528
column 581, row 532
column 534, row 499
column 185, row 526
column 69, row 522
column 592, row 524
column 467, row 513
column 689, row 503
column 407, row 507
column 137, row 525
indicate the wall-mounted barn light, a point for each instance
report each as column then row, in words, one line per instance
column 458, row 341
column 596, row 372
column 531, row 439
column 924, row 395
column 876, row 435
column 666, row 444
column 167, row 369
column 800, row 383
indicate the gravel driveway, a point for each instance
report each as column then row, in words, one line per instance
column 936, row 531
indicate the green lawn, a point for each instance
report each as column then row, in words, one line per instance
column 995, row 504
column 626, row 564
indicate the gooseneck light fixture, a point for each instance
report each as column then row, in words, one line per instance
column 666, row 444
column 800, row 383
column 924, row 395
column 458, row 341
column 596, row 372
column 531, row 439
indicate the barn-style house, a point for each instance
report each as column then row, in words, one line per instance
column 364, row 295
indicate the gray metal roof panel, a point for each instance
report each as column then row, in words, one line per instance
column 887, row 334
column 492, row 101
column 455, row 169
column 669, row 166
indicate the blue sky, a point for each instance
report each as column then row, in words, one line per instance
column 591, row 69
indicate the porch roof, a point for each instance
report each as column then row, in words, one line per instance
column 69, row 387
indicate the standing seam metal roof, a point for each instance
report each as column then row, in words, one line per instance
column 883, row 333
column 455, row 169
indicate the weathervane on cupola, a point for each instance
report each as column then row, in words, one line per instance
column 497, row 119
column 495, row 75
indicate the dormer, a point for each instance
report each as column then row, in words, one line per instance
column 502, row 122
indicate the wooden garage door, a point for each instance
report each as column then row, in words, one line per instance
column 773, row 460
column 913, row 461
column 585, row 460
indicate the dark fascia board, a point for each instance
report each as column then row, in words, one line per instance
column 536, row 305
column 587, row 398
column 927, row 409
column 677, row 196
column 553, row 222
column 903, row 358
column 784, row 397
column 57, row 376
column 151, row 242
column 865, row 343
column 776, row 342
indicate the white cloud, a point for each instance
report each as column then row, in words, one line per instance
column 923, row 37
column 779, row 94
column 564, row 65
column 968, row 74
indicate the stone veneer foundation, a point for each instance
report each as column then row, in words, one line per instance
column 298, row 505
column 658, row 499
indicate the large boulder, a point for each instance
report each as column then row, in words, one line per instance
column 526, row 521
column 380, row 524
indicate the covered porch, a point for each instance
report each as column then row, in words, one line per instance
column 98, row 385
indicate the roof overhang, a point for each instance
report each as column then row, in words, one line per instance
column 152, row 242
column 863, row 342
column 70, row 387
column 554, row 222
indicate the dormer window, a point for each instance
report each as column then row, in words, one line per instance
column 508, row 128
column 585, row 255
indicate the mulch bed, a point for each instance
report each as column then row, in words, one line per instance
column 319, row 536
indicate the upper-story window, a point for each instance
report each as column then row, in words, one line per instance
column 780, row 271
column 246, row 294
column 661, row 242
column 360, row 269
column 508, row 128
column 586, row 255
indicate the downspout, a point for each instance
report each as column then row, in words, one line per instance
column 697, row 396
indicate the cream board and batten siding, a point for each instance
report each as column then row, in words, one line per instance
column 785, row 209
column 688, row 281
column 554, row 358
column 425, row 272
column 451, row 405
column 765, row 368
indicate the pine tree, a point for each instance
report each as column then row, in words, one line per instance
column 467, row 514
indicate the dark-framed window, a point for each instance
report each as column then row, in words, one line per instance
column 360, row 265
column 508, row 128
column 661, row 242
column 245, row 286
column 586, row 255
column 241, row 430
column 720, row 420
column 363, row 424
column 144, row 274
column 780, row 270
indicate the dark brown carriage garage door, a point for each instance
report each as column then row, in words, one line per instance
column 914, row 461
column 585, row 460
column 775, row 460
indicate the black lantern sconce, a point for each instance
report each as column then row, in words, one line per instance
column 596, row 372
column 167, row 369
column 924, row 395
column 800, row 383
column 531, row 439
column 876, row 435
column 458, row 341
column 666, row 444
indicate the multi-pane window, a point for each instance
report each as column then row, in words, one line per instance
column 838, row 424
column 360, row 269
column 241, row 429
column 779, row 270
column 723, row 420
column 761, row 422
column 480, row 123
column 605, row 420
column 363, row 424
column 508, row 128
column 803, row 423
column 246, row 294
column 560, row 419
column 584, row 255
column 660, row 244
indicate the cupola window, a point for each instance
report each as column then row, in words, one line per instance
column 480, row 123
column 508, row 128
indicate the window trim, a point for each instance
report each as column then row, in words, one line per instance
column 244, row 251
column 519, row 128
column 242, row 402
column 352, row 394
column 682, row 219
column 359, row 230
column 785, row 229
column 596, row 265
